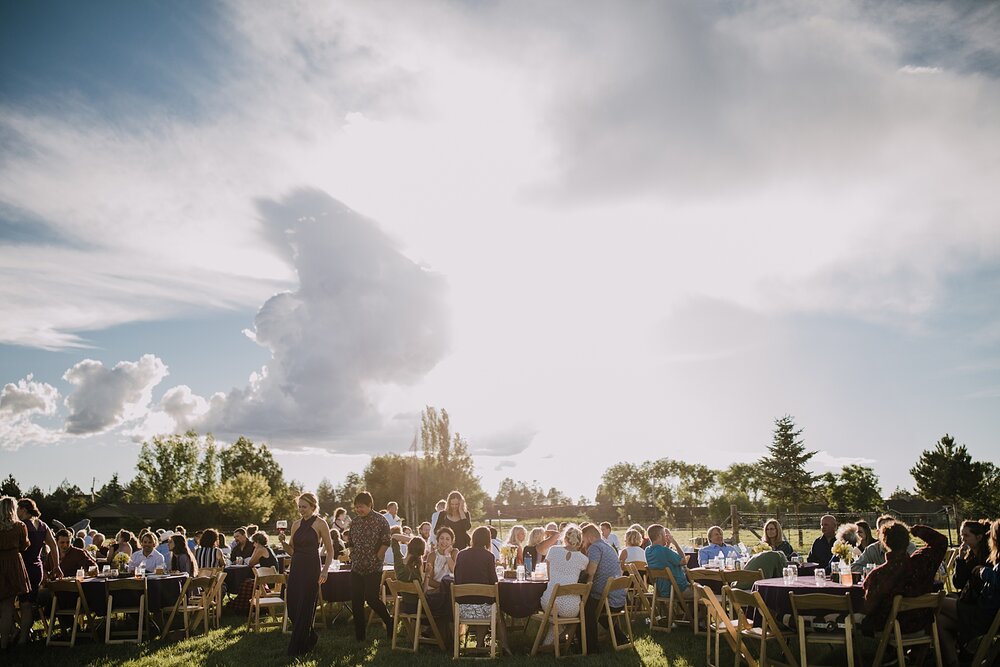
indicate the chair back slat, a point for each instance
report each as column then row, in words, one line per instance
column 928, row 601
column 820, row 602
column 473, row 590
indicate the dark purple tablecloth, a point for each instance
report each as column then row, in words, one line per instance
column 161, row 593
column 338, row 585
column 236, row 575
column 692, row 559
column 775, row 591
column 808, row 569
column 521, row 598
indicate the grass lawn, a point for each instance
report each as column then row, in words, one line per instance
column 233, row 644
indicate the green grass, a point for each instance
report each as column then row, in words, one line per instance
column 233, row 644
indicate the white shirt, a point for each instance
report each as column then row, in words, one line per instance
column 152, row 561
column 495, row 547
column 612, row 539
column 393, row 520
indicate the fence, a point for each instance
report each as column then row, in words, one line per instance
column 790, row 521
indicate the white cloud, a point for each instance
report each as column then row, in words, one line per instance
column 827, row 460
column 506, row 442
column 19, row 403
column 364, row 316
column 106, row 398
column 915, row 69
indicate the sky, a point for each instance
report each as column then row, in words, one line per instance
column 592, row 231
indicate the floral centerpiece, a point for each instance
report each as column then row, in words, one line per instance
column 121, row 561
column 92, row 550
column 760, row 548
column 508, row 556
column 845, row 551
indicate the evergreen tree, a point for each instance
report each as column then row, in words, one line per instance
column 948, row 474
column 784, row 468
column 112, row 491
column 10, row 488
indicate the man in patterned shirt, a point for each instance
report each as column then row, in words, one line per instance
column 903, row 574
column 369, row 540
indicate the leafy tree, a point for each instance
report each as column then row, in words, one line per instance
column 986, row 503
column 327, row 497
column 741, row 480
column 557, row 497
column 244, row 456
column 245, row 498
column 513, row 493
column 901, row 493
column 861, row 487
column 345, row 492
column 783, row 470
column 112, row 491
column 948, row 474
column 168, row 467
column 208, row 468
column 10, row 488
column 447, row 465
column 695, row 481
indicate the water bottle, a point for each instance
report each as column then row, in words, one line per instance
column 528, row 563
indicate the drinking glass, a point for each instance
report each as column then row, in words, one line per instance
column 793, row 572
column 786, row 577
column 500, row 572
column 140, row 571
column 80, row 574
column 820, row 578
column 520, row 573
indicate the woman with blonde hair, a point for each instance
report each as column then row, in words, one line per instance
column 564, row 563
column 633, row 552
column 13, row 575
column 775, row 538
column 518, row 534
column 307, row 572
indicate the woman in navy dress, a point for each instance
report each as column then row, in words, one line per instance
column 39, row 535
column 307, row 572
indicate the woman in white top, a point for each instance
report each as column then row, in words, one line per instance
column 565, row 563
column 632, row 552
column 441, row 560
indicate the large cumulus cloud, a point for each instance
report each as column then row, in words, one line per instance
column 364, row 316
column 20, row 403
column 105, row 398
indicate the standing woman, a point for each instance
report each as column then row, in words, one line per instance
column 456, row 517
column 13, row 575
column 39, row 536
column 307, row 573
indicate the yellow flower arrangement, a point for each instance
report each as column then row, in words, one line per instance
column 508, row 556
column 760, row 548
column 120, row 561
column 844, row 551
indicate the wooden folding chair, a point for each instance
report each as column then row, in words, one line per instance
column 769, row 630
column 892, row 633
column 722, row 626
column 604, row 606
column 742, row 579
column 215, row 599
column 820, row 602
column 639, row 597
column 988, row 652
column 269, row 601
column 949, row 568
column 124, row 636
column 551, row 616
column 677, row 604
column 80, row 612
column 706, row 578
column 191, row 603
column 413, row 621
column 478, row 590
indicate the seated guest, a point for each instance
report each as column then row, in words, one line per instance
column 642, row 532
column 89, row 538
column 242, row 546
column 771, row 563
column 195, row 539
column 424, row 531
column 164, row 546
column 874, row 554
column 207, row 554
column 439, row 509
column 147, row 555
column 337, row 542
column 822, row 548
column 903, row 574
column 341, row 521
column 865, row 536
column 71, row 558
column 121, row 545
column 391, row 515
column 565, row 564
column 665, row 553
column 716, row 546
column 516, row 538
column 776, row 539
column 181, row 557
column 529, row 555
column 603, row 567
column 976, row 621
column 79, row 543
column 632, row 553
column 476, row 565
column 409, row 568
column 224, row 547
column 389, row 553
column 262, row 555
column 102, row 548
column 441, row 560
column 610, row 537
column 495, row 542
column 958, row 619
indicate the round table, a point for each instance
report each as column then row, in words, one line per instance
column 521, row 599
column 775, row 592
column 236, row 575
column 337, row 587
column 807, row 569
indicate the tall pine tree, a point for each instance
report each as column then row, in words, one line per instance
column 784, row 468
column 948, row 474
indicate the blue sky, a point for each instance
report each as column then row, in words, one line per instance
column 591, row 235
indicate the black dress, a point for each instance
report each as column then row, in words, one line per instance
column 303, row 588
column 460, row 527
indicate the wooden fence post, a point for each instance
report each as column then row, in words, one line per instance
column 734, row 517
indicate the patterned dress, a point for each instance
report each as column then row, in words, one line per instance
column 565, row 567
column 13, row 575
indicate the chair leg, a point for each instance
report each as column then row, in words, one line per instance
column 900, row 653
column 937, row 642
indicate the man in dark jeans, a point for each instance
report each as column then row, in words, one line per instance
column 369, row 540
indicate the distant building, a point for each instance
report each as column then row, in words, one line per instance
column 117, row 515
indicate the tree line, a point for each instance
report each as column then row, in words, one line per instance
column 210, row 483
